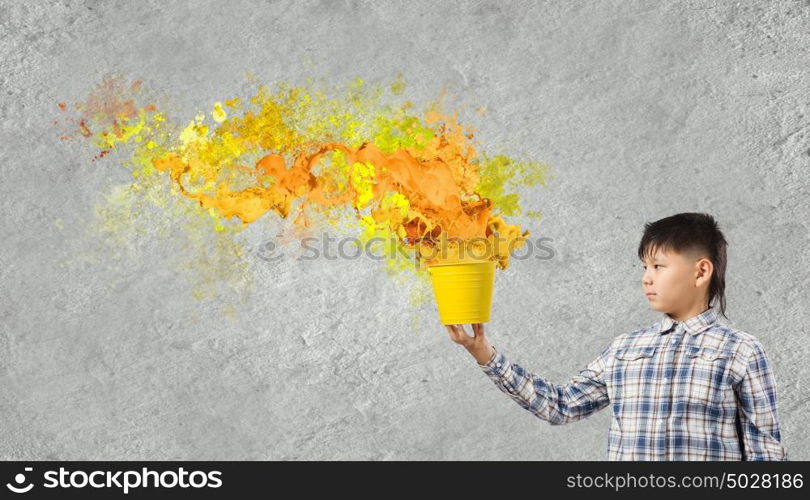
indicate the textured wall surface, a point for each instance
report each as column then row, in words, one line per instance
column 643, row 109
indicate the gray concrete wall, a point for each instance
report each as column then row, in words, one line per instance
column 644, row 109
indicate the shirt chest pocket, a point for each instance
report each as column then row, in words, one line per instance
column 633, row 371
column 707, row 368
column 635, row 353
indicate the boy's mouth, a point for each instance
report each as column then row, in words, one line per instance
column 650, row 295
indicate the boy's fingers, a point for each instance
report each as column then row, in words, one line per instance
column 478, row 329
column 454, row 333
column 457, row 333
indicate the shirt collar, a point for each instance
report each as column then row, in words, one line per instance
column 693, row 325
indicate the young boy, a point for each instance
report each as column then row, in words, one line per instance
column 686, row 388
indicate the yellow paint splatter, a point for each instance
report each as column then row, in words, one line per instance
column 219, row 114
column 415, row 179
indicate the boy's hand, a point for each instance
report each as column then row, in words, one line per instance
column 478, row 345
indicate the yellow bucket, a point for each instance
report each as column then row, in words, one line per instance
column 463, row 291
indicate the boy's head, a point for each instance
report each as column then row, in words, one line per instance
column 684, row 261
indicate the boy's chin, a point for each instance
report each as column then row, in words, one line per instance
column 657, row 307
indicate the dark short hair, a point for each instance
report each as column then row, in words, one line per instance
column 690, row 233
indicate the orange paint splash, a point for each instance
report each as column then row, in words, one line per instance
column 415, row 177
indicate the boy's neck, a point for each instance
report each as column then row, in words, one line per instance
column 693, row 311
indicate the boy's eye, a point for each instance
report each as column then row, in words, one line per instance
column 645, row 267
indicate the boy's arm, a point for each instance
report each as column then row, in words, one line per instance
column 557, row 404
column 756, row 396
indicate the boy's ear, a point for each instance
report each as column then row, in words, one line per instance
column 703, row 270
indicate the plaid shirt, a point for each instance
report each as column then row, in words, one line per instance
column 691, row 390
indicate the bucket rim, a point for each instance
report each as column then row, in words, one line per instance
column 473, row 263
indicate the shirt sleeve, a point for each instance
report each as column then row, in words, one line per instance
column 557, row 404
column 759, row 422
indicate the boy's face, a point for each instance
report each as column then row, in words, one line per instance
column 674, row 282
